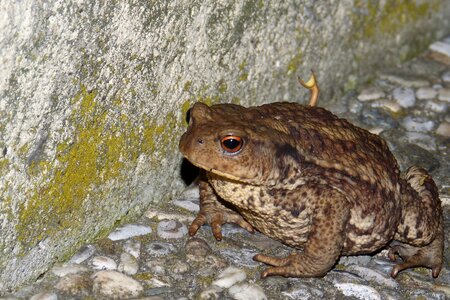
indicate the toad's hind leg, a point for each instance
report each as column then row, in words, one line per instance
column 419, row 239
column 324, row 243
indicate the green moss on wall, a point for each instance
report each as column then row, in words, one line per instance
column 390, row 18
column 98, row 153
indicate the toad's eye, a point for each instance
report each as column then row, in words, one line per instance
column 231, row 143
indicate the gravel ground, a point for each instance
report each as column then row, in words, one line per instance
column 155, row 259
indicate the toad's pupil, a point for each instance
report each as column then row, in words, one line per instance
column 231, row 143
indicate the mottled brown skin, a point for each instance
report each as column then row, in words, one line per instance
column 312, row 181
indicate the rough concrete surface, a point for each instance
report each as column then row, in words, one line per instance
column 93, row 96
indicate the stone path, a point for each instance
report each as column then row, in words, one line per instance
column 155, row 259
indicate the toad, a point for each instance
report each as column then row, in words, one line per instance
column 313, row 181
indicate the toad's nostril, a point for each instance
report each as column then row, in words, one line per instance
column 200, row 141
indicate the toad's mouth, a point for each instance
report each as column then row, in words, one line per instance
column 221, row 174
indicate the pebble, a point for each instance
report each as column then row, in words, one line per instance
column 446, row 76
column 405, row 97
column 128, row 264
column 388, row 104
column 297, row 294
column 211, row 293
column 83, row 254
column 188, row 205
column 128, row 231
column 247, row 291
column 116, row 285
column 75, row 284
column 426, row 93
column 64, row 270
column 443, row 129
column 422, row 140
column 242, row 257
column 370, row 274
column 436, row 106
column 418, row 124
column 371, row 93
column 444, row 95
column 171, row 229
column 406, row 80
column 160, row 249
column 442, row 48
column 229, row 277
column 359, row 291
column 103, row 263
column 45, row 296
column 132, row 247
column 157, row 214
column 197, row 247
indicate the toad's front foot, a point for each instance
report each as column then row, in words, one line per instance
column 216, row 218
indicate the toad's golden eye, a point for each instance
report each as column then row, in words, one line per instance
column 231, row 143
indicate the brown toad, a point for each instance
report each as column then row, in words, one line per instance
column 301, row 175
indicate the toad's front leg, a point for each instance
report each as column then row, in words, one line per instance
column 324, row 244
column 214, row 213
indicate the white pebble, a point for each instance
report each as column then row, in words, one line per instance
column 444, row 95
column 374, row 275
column 191, row 193
column 443, row 129
column 388, row 104
column 417, row 124
column 229, row 277
column 83, row 254
column 158, row 249
column 132, row 247
column 129, row 231
column 128, row 264
column 116, row 285
column 371, row 93
column 61, row 271
column 104, row 263
column 441, row 48
column 247, row 291
column 212, row 292
column 45, row 296
column 171, row 229
column 436, row 106
column 404, row 96
column 188, row 205
column 358, row 291
column 446, row 76
column 426, row 93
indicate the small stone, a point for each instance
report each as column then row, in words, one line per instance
column 61, row 271
column 128, row 264
column 371, row 93
column 132, row 247
column 157, row 266
column 211, row 293
column 406, row 80
column 45, row 296
column 75, row 284
column 359, row 291
column 446, row 76
column 197, row 247
column 180, row 267
column 388, row 104
column 171, row 229
column 404, row 96
column 426, row 93
column 129, row 231
column 436, row 106
column 188, row 205
column 423, row 140
column 418, row 124
column 104, row 263
column 83, row 254
column 441, row 52
column 444, row 95
column 160, row 249
column 247, row 291
column 229, row 277
column 443, row 129
column 369, row 274
column 116, row 285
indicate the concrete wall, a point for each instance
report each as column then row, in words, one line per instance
column 93, row 96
